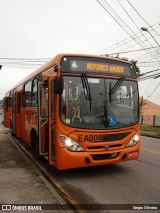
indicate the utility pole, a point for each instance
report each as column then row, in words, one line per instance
column 141, row 103
column 141, row 116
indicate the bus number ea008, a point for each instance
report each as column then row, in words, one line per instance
column 90, row 138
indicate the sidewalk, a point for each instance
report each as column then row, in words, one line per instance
column 20, row 181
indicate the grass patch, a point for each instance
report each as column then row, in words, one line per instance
column 31, row 168
column 154, row 129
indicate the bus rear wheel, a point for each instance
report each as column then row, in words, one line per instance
column 35, row 144
column 11, row 128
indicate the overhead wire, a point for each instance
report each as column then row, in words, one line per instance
column 104, row 4
column 153, row 91
column 25, row 63
column 123, row 22
column 141, row 16
column 152, row 55
column 136, row 25
column 124, row 43
column 32, row 59
column 132, row 51
column 114, row 19
column 139, row 42
column 152, row 29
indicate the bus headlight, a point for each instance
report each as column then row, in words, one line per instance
column 134, row 140
column 70, row 144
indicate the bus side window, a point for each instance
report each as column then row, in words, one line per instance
column 34, row 101
column 7, row 104
column 27, row 94
column 19, row 104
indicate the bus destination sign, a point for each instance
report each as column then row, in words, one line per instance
column 105, row 67
column 96, row 65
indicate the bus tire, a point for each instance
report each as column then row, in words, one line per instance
column 11, row 128
column 35, row 144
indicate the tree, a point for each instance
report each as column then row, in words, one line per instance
column 134, row 62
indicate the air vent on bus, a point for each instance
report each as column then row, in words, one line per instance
column 105, row 156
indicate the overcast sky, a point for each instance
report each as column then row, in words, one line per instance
column 43, row 28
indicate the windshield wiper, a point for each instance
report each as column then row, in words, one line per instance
column 116, row 86
column 87, row 89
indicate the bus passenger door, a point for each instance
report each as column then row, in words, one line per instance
column 13, row 127
column 51, row 118
column 18, row 113
column 43, row 138
column 7, row 111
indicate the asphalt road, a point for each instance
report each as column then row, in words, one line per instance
column 132, row 182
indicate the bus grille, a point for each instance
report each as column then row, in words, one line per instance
column 115, row 146
column 105, row 156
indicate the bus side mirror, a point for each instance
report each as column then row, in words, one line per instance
column 58, row 85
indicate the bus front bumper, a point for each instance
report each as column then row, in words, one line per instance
column 68, row 159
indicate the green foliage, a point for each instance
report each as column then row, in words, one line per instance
column 134, row 62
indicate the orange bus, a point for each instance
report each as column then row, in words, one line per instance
column 78, row 111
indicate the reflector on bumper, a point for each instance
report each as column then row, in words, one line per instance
column 133, row 154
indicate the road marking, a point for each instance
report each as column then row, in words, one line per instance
column 150, row 151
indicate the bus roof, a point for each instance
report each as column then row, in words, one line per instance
column 57, row 60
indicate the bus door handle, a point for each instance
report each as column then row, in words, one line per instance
column 44, row 123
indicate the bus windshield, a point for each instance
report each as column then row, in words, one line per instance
column 88, row 102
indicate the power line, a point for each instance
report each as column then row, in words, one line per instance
column 113, row 11
column 33, row 59
column 147, row 62
column 153, row 53
column 140, row 16
column 148, row 86
column 125, row 25
column 154, row 90
column 149, row 77
column 126, row 41
column 23, row 63
column 132, row 20
column 149, row 72
column 132, row 51
column 144, row 21
column 114, row 18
